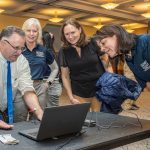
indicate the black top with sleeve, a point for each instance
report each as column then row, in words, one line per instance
column 84, row 70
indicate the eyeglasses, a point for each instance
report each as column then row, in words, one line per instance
column 16, row 48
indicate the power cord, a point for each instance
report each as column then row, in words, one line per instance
column 76, row 135
column 140, row 124
column 70, row 139
column 111, row 125
column 100, row 127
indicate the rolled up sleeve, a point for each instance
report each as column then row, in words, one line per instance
column 24, row 77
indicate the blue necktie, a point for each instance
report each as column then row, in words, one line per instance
column 9, row 95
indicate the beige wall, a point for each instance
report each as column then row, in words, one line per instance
column 140, row 31
column 89, row 31
column 17, row 21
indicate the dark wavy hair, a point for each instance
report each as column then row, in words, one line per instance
column 48, row 42
column 126, row 40
column 82, row 40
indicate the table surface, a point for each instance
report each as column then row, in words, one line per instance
column 113, row 131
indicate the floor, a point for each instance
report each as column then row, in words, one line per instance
column 143, row 113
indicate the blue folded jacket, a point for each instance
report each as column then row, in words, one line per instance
column 113, row 89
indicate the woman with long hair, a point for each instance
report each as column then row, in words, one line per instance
column 80, row 64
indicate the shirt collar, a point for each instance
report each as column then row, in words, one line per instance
column 2, row 57
column 34, row 49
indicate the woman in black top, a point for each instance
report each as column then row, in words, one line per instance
column 80, row 64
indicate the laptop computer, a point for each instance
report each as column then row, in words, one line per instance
column 58, row 121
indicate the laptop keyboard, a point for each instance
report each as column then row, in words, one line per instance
column 33, row 133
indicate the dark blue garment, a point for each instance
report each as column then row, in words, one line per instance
column 48, row 69
column 47, row 72
column 139, row 62
column 113, row 89
column 38, row 60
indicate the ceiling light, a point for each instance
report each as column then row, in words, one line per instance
column 55, row 19
column 99, row 25
column 1, row 10
column 110, row 5
column 129, row 30
column 147, row 15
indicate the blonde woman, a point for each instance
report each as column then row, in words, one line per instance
column 38, row 58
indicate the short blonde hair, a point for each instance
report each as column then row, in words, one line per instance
column 36, row 22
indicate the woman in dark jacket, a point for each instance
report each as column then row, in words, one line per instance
column 115, row 40
column 54, row 88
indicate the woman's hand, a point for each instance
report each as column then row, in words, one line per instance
column 148, row 85
column 4, row 125
column 74, row 101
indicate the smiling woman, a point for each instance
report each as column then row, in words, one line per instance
column 109, row 45
column 80, row 64
column 114, row 40
column 38, row 57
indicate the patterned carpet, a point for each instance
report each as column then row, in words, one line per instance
column 143, row 113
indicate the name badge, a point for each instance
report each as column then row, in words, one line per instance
column 40, row 54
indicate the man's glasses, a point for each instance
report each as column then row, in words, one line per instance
column 16, row 48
